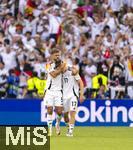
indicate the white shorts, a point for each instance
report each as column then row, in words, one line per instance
column 70, row 104
column 53, row 98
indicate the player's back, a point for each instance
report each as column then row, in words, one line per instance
column 70, row 86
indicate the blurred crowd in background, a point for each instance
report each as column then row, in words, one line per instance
column 96, row 36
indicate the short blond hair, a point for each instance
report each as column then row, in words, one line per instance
column 53, row 51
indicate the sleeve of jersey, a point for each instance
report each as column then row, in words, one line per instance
column 77, row 77
column 51, row 69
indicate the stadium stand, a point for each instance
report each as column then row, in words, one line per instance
column 96, row 36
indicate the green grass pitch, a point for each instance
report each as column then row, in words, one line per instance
column 94, row 138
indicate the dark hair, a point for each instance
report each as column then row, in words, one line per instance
column 20, row 42
column 87, row 35
column 11, row 71
column 28, row 32
column 43, row 74
column 118, row 57
column 9, row 14
column 7, row 41
column 83, row 23
column 106, row 27
column 77, row 60
column 1, row 61
column 34, row 74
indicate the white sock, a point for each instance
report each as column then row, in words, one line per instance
column 49, row 120
column 71, row 128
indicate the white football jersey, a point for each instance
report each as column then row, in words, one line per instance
column 70, row 85
column 54, row 84
column 3, row 72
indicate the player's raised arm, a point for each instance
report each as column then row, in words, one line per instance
column 80, row 83
column 45, row 12
column 81, row 90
